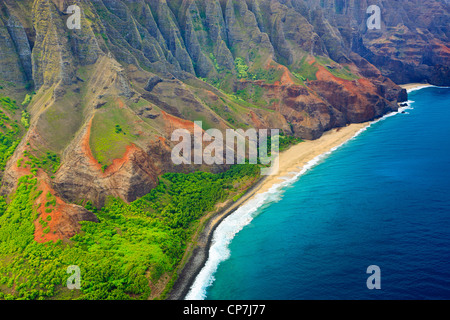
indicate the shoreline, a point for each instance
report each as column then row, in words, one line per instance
column 293, row 160
column 414, row 86
column 291, row 163
column 200, row 252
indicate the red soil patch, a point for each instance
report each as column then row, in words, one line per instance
column 212, row 95
column 310, row 60
column 56, row 213
column 173, row 123
column 58, row 219
column 286, row 78
column 57, row 216
column 270, row 64
column 119, row 163
column 86, row 148
column 21, row 171
column 120, row 103
column 442, row 47
column 61, row 226
column 356, row 87
column 256, row 121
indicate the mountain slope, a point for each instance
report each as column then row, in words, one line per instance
column 149, row 67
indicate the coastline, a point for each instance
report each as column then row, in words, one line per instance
column 199, row 254
column 291, row 163
column 414, row 86
column 296, row 157
column 293, row 160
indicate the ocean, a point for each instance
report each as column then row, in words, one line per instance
column 382, row 198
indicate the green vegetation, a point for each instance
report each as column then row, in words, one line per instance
column 270, row 75
column 118, row 129
column 218, row 68
column 59, row 123
column 10, row 131
column 299, row 76
column 238, row 196
column 131, row 245
column 27, row 100
column 111, row 133
column 306, row 71
column 335, row 69
column 286, row 141
column 25, row 119
column 7, row 104
column 343, row 73
column 241, row 68
column 49, row 162
column 8, row 143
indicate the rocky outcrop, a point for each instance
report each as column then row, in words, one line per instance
column 10, row 63
column 21, row 42
column 129, row 178
column 152, row 82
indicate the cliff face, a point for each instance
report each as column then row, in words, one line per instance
column 412, row 44
column 109, row 95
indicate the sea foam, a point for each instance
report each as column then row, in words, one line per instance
column 235, row 222
column 418, row 88
column 424, row 87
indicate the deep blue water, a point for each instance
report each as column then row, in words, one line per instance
column 381, row 199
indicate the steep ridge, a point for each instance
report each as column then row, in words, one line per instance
column 411, row 46
column 109, row 95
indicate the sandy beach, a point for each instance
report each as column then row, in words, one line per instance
column 412, row 86
column 295, row 158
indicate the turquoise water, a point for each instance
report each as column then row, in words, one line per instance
column 381, row 199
